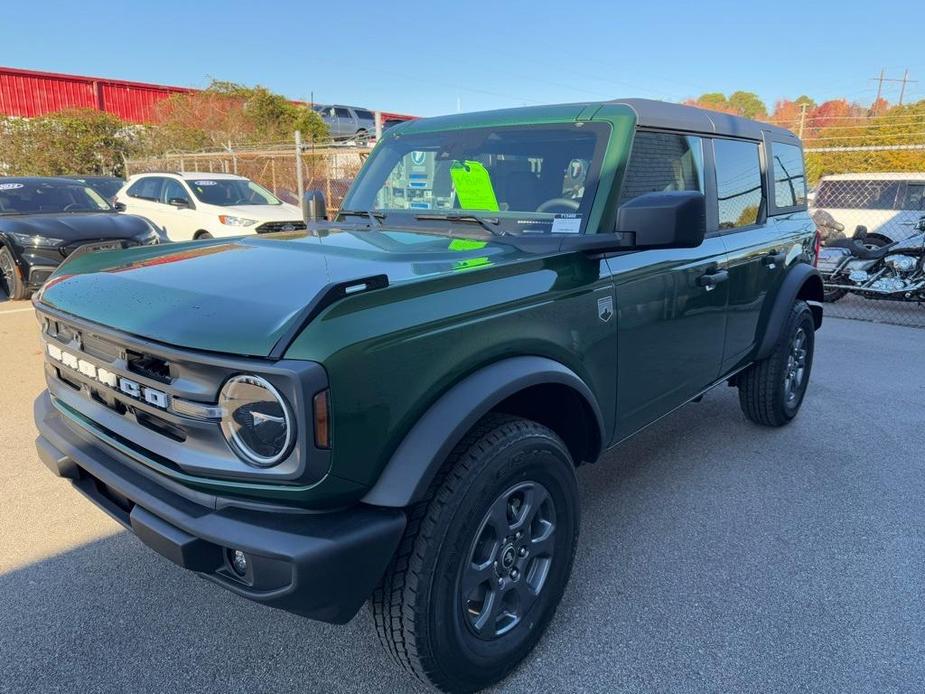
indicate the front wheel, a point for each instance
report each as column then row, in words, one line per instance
column 772, row 390
column 10, row 280
column 485, row 560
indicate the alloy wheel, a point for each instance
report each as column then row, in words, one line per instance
column 795, row 371
column 509, row 560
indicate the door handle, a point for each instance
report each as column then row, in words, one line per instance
column 711, row 279
column 772, row 260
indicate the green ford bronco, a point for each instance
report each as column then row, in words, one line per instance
column 390, row 406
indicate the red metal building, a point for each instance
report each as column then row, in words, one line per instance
column 32, row 93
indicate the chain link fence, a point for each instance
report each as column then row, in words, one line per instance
column 329, row 168
column 867, row 202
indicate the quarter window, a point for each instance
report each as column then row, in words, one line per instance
column 738, row 183
column 789, row 176
column 663, row 162
column 915, row 197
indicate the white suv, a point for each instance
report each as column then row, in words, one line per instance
column 206, row 205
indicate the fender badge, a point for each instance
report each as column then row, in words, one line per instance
column 605, row 308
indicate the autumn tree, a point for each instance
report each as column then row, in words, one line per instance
column 227, row 112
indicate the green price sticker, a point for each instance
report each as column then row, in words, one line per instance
column 473, row 186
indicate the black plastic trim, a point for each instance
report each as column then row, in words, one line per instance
column 799, row 275
column 411, row 469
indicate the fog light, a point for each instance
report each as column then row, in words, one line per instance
column 239, row 562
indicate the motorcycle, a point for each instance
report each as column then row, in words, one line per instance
column 869, row 266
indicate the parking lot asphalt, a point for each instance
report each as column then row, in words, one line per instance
column 714, row 556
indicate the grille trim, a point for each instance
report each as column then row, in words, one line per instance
column 273, row 227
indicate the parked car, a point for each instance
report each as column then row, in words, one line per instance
column 390, row 406
column 887, row 204
column 45, row 220
column 348, row 122
column 107, row 186
column 194, row 206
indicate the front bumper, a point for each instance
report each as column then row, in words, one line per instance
column 319, row 565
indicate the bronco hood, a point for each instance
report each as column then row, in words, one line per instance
column 243, row 295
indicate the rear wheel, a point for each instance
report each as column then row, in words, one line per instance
column 202, row 236
column 11, row 282
column 771, row 390
column 485, row 560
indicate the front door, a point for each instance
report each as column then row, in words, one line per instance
column 670, row 304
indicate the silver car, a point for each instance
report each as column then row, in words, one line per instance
column 348, row 122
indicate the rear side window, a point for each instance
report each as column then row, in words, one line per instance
column 663, row 162
column 858, row 194
column 789, row 176
column 738, row 183
column 341, row 113
column 148, row 188
column 363, row 114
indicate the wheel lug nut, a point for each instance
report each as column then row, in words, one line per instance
column 517, row 536
column 522, row 551
column 501, row 583
column 514, row 574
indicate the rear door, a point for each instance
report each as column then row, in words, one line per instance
column 670, row 317
column 756, row 250
column 143, row 198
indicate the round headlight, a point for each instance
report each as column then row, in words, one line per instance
column 256, row 420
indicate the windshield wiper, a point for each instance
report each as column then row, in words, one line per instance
column 376, row 217
column 484, row 222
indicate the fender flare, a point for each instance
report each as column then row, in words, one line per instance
column 802, row 281
column 408, row 474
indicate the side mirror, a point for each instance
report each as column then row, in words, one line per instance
column 179, row 203
column 313, row 206
column 674, row 219
column 118, row 206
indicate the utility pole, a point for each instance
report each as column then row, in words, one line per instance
column 802, row 117
column 902, row 92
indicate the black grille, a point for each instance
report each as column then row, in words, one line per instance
column 271, row 227
column 80, row 247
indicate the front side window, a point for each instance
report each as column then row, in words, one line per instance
column 527, row 179
column 42, row 197
column 341, row 113
column 226, row 192
column 738, row 183
column 789, row 176
column 857, row 194
column 173, row 190
column 662, row 162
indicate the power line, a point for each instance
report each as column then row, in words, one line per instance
column 881, row 79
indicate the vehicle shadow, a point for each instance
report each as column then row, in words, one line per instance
column 708, row 561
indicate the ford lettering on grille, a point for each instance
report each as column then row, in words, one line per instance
column 127, row 386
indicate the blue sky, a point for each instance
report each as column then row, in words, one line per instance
column 433, row 57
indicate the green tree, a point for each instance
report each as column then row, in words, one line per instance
column 748, row 104
column 78, row 141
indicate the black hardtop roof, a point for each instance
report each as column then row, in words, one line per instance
column 662, row 114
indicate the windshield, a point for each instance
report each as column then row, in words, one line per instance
column 43, row 197
column 523, row 179
column 226, row 192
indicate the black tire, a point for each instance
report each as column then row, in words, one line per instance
column 772, row 390
column 202, row 236
column 11, row 282
column 830, row 296
column 421, row 616
column 362, row 137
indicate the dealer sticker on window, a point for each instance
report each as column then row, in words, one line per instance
column 204, row 183
column 566, row 224
column 10, row 186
